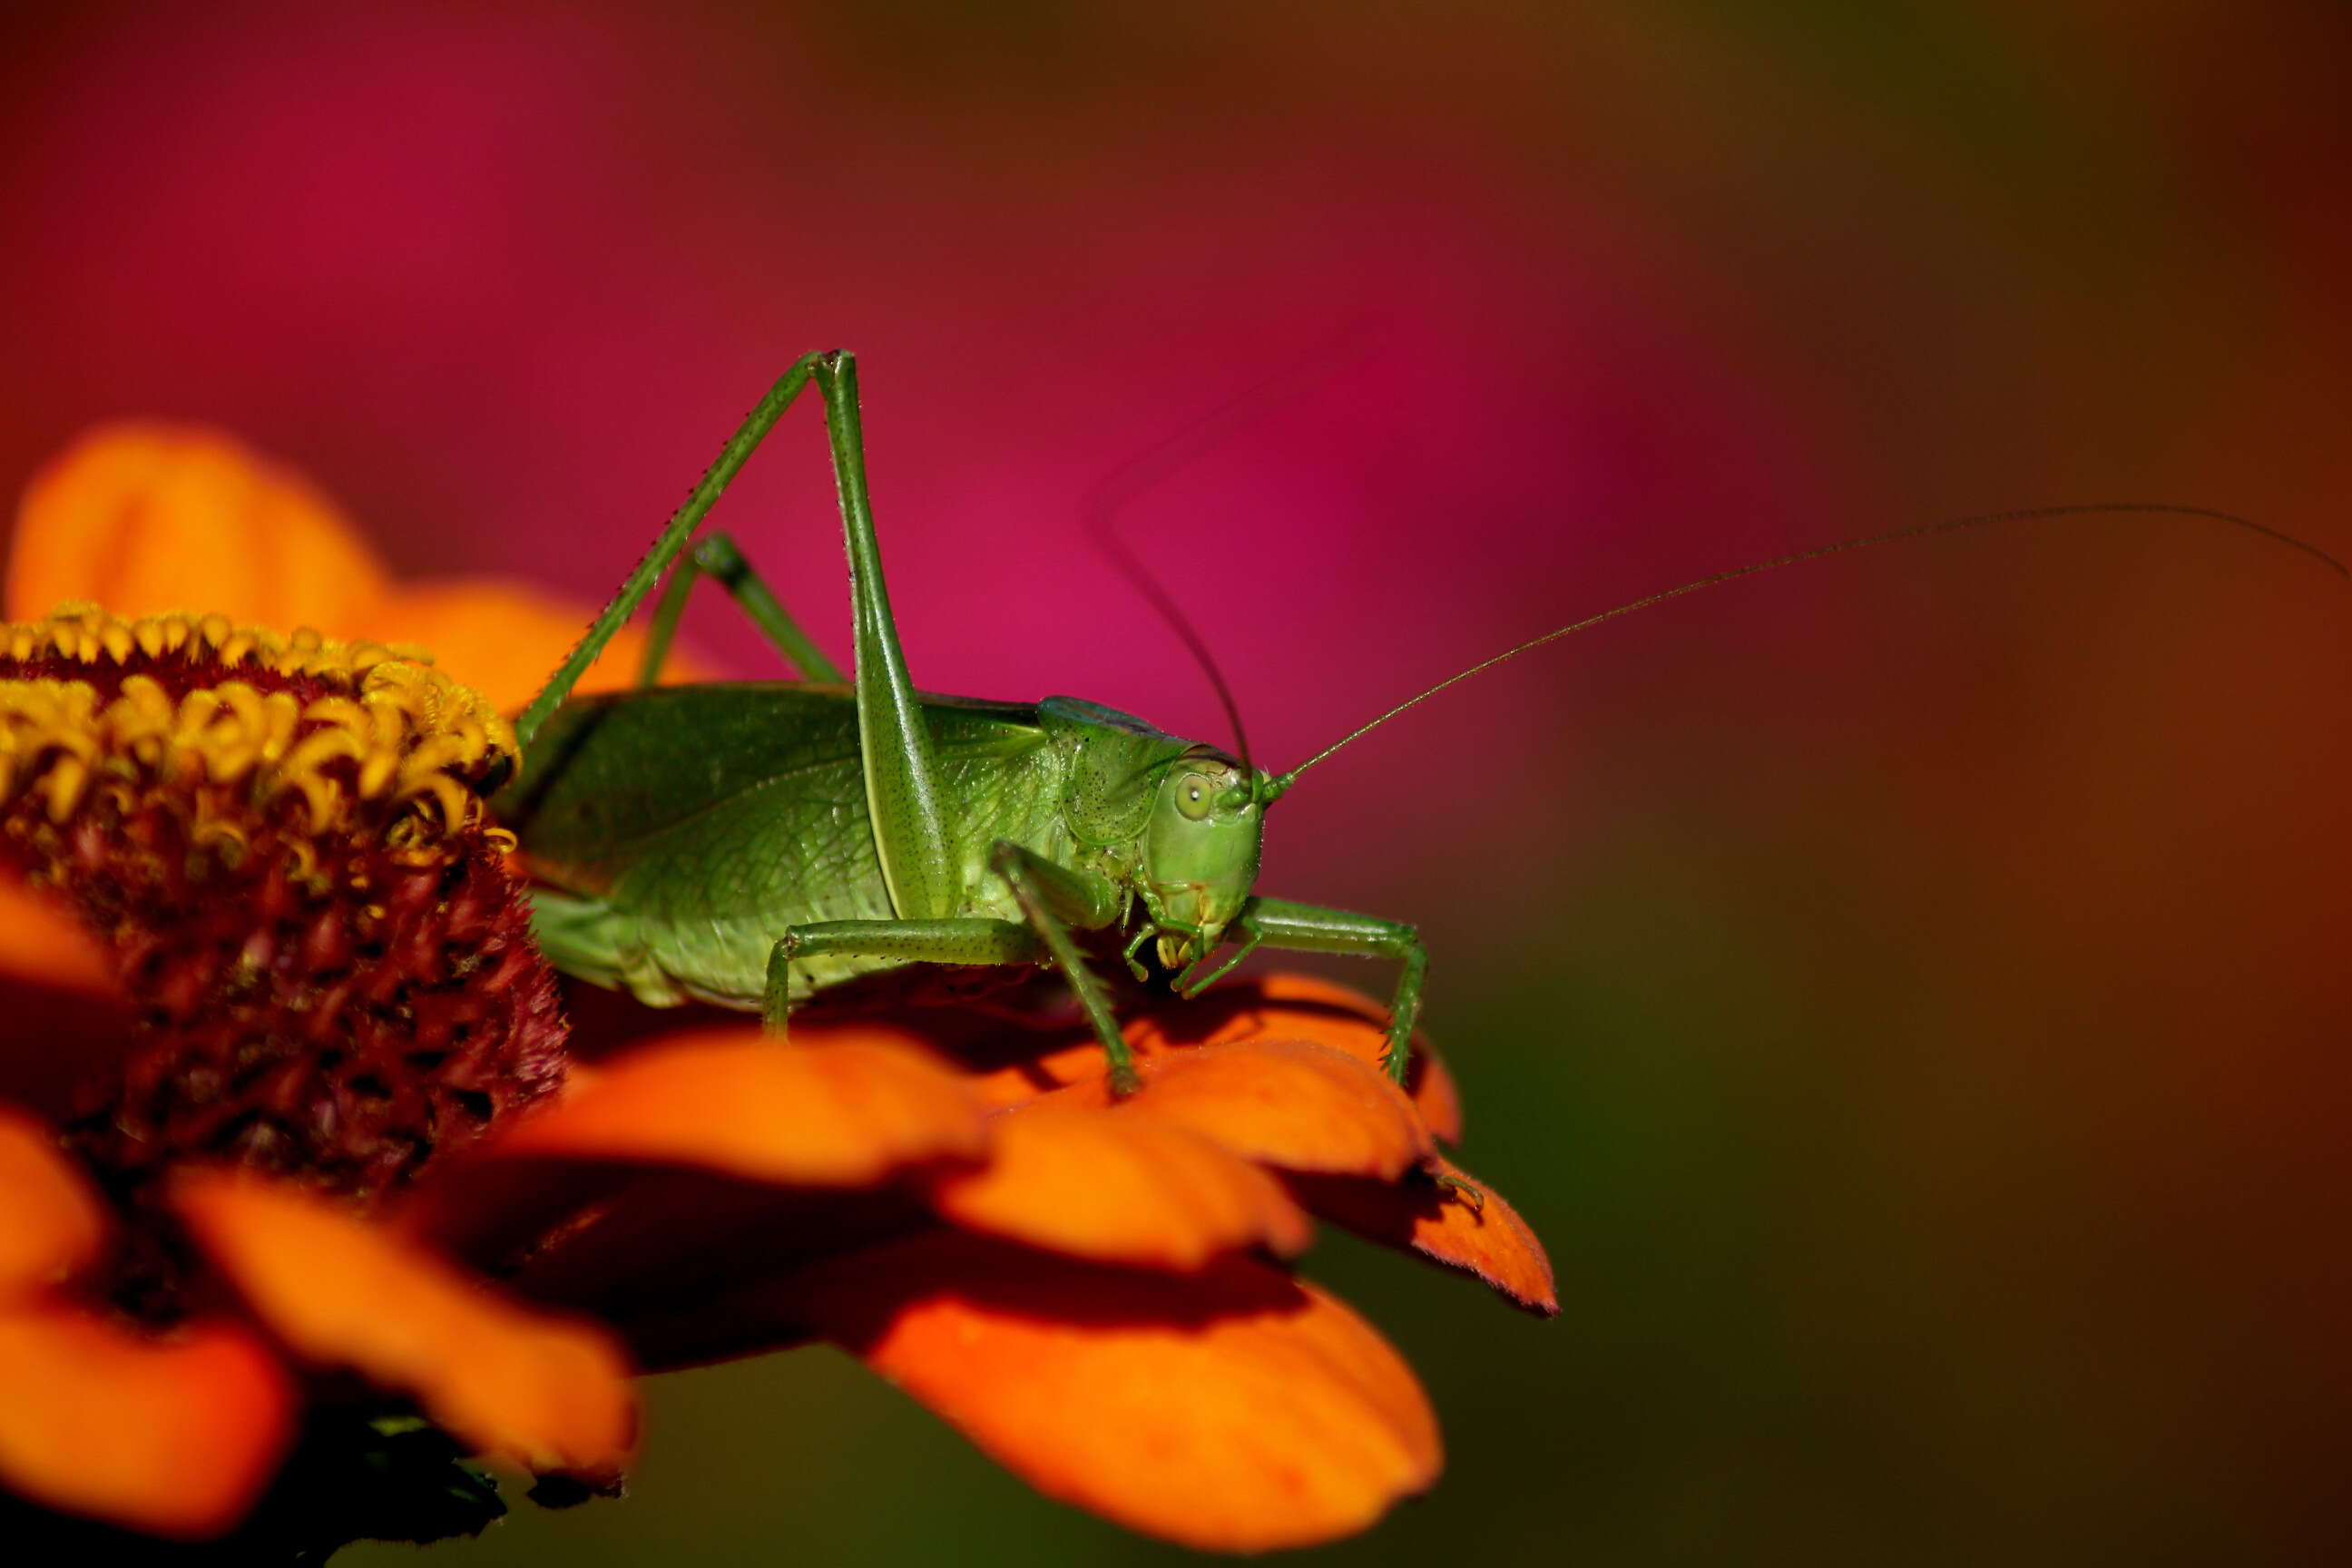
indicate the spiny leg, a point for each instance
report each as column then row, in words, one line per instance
column 1307, row 927
column 1055, row 899
column 718, row 558
column 665, row 547
column 894, row 738
column 902, row 793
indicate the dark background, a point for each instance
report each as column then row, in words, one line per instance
column 1906, row 993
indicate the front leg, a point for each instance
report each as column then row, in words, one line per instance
column 1056, row 898
column 1307, row 928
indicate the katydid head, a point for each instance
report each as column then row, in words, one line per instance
column 1201, row 851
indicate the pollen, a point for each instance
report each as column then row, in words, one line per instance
column 282, row 842
column 172, row 700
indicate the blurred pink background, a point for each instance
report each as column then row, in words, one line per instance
column 1906, row 992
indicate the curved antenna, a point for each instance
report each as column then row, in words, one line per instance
column 1116, row 490
column 1275, row 786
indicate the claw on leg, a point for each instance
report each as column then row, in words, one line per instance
column 1396, row 1059
column 1469, row 1192
column 1135, row 964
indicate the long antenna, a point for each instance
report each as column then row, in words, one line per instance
column 1154, row 465
column 2157, row 508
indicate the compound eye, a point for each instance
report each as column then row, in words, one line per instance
column 1195, row 794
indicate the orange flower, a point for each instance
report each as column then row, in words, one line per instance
column 1088, row 1288
column 147, row 518
column 300, row 956
column 278, row 1126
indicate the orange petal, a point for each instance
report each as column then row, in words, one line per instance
column 1119, row 1189
column 684, row 1266
column 40, row 940
column 734, row 1102
column 1234, row 1410
column 1059, row 1058
column 641, row 1171
column 504, row 639
column 54, row 1223
column 1288, row 1103
column 1479, row 1234
column 548, row 1393
column 175, row 1436
column 1302, row 1007
column 1273, row 1006
column 149, row 518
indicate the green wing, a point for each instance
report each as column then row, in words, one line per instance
column 675, row 832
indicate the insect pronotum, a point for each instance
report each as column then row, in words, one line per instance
column 755, row 842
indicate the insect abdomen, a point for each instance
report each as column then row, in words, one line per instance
column 755, row 819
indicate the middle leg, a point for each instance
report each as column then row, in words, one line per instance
column 975, row 941
column 1052, row 898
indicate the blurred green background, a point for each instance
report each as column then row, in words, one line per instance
column 1904, row 993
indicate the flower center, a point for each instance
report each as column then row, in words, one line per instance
column 282, row 841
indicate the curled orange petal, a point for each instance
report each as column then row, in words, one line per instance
column 1119, row 1190
column 150, row 518
column 1287, row 1103
column 546, row 1393
column 1061, row 1059
column 631, row 1183
column 736, row 1102
column 1302, row 1007
column 1232, row 1410
column 175, row 1436
column 684, row 1265
column 54, row 1221
column 1272, row 1006
column 1447, row 1217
